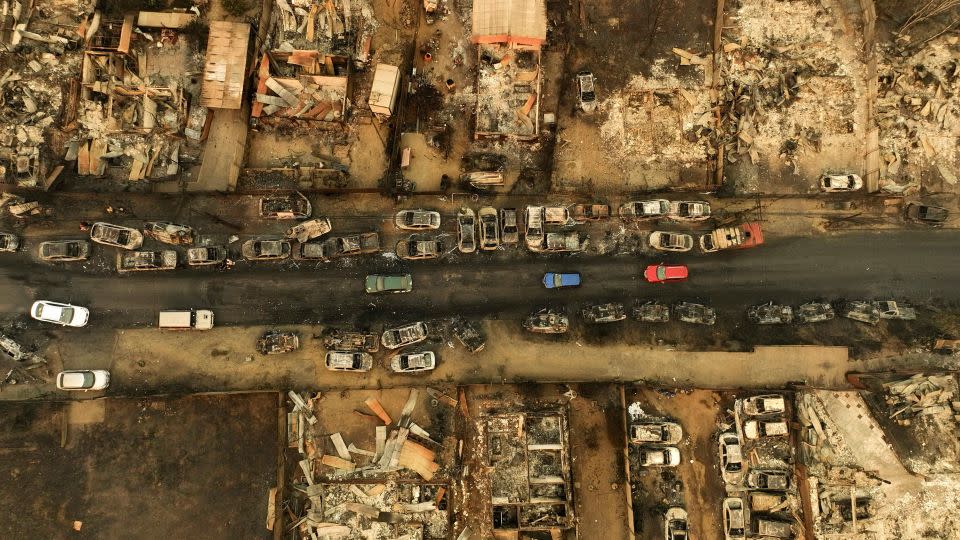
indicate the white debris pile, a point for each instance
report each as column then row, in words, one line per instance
column 658, row 118
column 923, row 396
column 789, row 83
column 918, row 111
column 508, row 86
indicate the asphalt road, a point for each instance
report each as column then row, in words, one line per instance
column 918, row 266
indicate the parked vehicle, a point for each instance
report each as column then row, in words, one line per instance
column 265, row 249
column 393, row 283
column 835, row 183
column 689, row 312
column 346, row 340
column 169, row 233
column 308, row 230
column 547, row 321
column 590, row 212
column 770, row 313
column 604, row 313
column 675, row 524
column 136, row 261
column 394, row 338
column 469, row 335
column 9, row 242
column 291, row 206
column 731, row 458
column 348, row 361
column 766, row 527
column 556, row 215
column 565, row 242
column 668, row 433
column 668, row 456
column 762, row 501
column 893, row 310
column 413, row 362
column 653, row 312
column 635, row 210
column 559, row 280
column 742, row 236
column 419, row 247
column 83, row 379
column 340, row 246
column 734, row 524
column 489, row 228
column 663, row 273
column 671, row 241
column 509, row 228
column 689, row 210
column 64, row 250
column 417, row 220
column 116, row 236
column 764, row 404
column 466, row 230
column 534, row 231
column 186, row 319
column 926, row 214
column 768, row 479
column 755, row 429
column 586, row 95
column 277, row 342
column 862, row 311
column 206, row 255
column 814, row 312
column 62, row 314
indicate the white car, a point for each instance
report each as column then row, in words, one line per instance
column 835, row 183
column 690, row 210
column 83, row 379
column 349, row 361
column 57, row 313
column 671, row 241
column 755, row 429
column 764, row 405
column 667, row 456
column 413, row 362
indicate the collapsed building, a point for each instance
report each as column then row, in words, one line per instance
column 508, row 35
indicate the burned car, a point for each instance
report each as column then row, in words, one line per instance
column 347, row 340
column 814, row 312
column 755, row 429
column 206, row 255
column 265, row 249
column 489, row 228
column 731, row 458
column 862, row 311
column 308, row 230
column 546, row 321
column 653, row 312
column 116, row 235
column 565, row 242
column 469, row 335
column 292, row 206
column 590, row 212
column 604, row 313
column 655, row 433
column 348, row 361
column 836, row 183
column 341, row 246
column 394, row 338
column 689, row 210
column 765, row 404
column 169, row 233
column 418, row 247
column 509, row 228
column 9, row 242
column 466, row 230
column 768, row 479
column 770, row 313
column 692, row 313
column 277, row 342
column 413, row 362
column 670, row 241
column 675, row 524
column 417, row 220
column 586, row 94
column 926, row 214
column 893, row 310
column 134, row 261
column 64, row 250
column 653, row 208
column 534, row 231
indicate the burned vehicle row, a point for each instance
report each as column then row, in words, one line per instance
column 340, row 246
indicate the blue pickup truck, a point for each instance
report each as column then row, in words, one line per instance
column 557, row 280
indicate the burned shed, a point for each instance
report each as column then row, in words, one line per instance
column 508, row 34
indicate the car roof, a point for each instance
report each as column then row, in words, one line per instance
column 76, row 379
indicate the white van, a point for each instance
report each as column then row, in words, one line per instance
column 186, row 319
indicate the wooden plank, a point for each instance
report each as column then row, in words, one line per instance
column 374, row 405
column 126, row 32
column 83, row 159
column 337, row 463
column 311, row 22
column 341, row 446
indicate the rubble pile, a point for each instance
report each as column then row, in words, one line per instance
column 508, row 89
column 337, row 28
column 918, row 112
column 788, row 85
column 659, row 118
column 342, row 490
column 933, row 396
